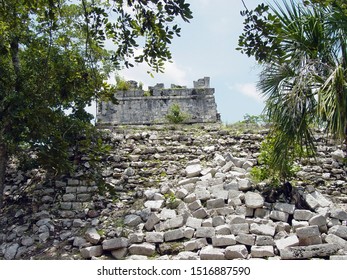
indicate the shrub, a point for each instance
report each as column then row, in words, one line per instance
column 268, row 168
column 122, row 84
column 175, row 115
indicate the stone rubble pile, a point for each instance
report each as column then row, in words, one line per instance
column 202, row 217
column 180, row 194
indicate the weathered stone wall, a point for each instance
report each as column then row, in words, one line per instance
column 139, row 107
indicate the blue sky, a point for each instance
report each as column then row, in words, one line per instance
column 207, row 48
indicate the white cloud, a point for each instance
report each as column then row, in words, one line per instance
column 174, row 74
column 248, row 89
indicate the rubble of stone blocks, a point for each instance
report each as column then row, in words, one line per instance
column 162, row 175
column 201, row 217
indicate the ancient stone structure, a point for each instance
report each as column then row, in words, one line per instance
column 180, row 193
column 137, row 106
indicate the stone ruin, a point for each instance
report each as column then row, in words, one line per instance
column 138, row 107
column 180, row 194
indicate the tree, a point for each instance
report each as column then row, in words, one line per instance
column 53, row 59
column 302, row 49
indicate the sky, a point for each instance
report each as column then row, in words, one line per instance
column 207, row 48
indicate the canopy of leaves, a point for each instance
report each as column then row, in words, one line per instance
column 302, row 49
column 53, row 63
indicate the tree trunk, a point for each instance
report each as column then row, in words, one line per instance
column 3, row 165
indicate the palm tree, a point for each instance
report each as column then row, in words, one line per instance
column 306, row 85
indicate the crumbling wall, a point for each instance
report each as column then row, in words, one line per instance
column 138, row 107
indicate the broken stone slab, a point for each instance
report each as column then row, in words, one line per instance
column 254, row 200
column 285, row 207
column 223, row 240
column 299, row 224
column 152, row 221
column 303, row 215
column 232, row 186
column 189, row 232
column 245, row 239
column 223, row 229
column 318, row 220
column 338, row 214
column 92, row 251
column 132, row 220
column 206, row 177
column 190, row 198
column 154, row 237
column 174, row 234
column 333, row 222
column 136, row 237
column 236, row 219
column 218, row 221
column 175, row 222
column 92, row 236
column 224, row 211
column 289, row 241
column 261, row 213
column 308, row 252
column 210, row 253
column 207, row 222
column 193, row 222
column 316, row 199
column 282, row 226
column 188, row 181
column 339, row 230
column 166, row 214
column 338, row 155
column 334, row 239
column 309, row 235
column 262, row 229
column 119, row 254
column 239, row 228
column 244, row 185
column 200, row 213
column 311, row 201
column 195, row 244
column 143, row 249
column 215, row 203
column 264, row 240
column 11, row 251
column 219, row 160
column 154, row 205
column 79, row 242
column 181, row 193
column 115, row 243
column 262, row 251
column 195, row 205
column 279, row 215
column 205, row 232
column 187, row 256
column 193, row 170
column 248, row 164
column 218, row 191
column 227, row 167
column 236, row 252
column 202, row 193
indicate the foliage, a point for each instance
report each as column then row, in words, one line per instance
column 175, row 115
column 122, row 84
column 269, row 169
column 249, row 123
column 53, row 60
column 304, row 59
